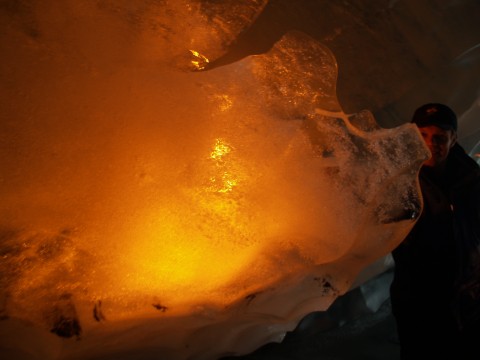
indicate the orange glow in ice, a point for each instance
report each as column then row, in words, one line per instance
column 200, row 61
column 182, row 260
column 185, row 262
column 220, row 149
column 224, row 181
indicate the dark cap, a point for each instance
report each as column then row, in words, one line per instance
column 435, row 114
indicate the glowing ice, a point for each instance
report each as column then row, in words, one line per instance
column 148, row 210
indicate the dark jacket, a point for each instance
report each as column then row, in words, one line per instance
column 439, row 263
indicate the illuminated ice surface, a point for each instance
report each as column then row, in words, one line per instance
column 153, row 211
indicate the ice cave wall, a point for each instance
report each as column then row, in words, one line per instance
column 391, row 56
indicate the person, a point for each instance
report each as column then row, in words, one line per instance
column 435, row 292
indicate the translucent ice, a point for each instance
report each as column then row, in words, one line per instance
column 150, row 210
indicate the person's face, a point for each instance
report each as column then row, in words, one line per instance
column 439, row 142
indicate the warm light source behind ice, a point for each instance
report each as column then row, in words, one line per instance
column 177, row 212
